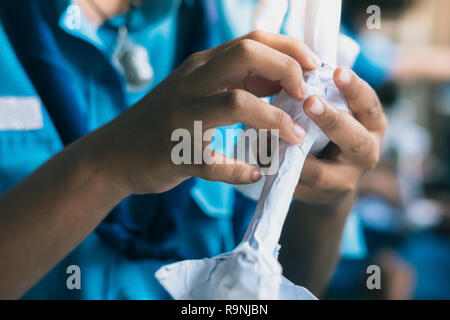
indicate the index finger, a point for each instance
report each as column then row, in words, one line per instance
column 247, row 57
column 361, row 99
column 293, row 47
column 355, row 141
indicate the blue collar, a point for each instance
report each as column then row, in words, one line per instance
column 73, row 21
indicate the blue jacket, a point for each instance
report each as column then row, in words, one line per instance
column 62, row 66
column 69, row 70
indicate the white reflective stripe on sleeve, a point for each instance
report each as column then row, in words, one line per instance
column 20, row 113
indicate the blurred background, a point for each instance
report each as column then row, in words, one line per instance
column 404, row 204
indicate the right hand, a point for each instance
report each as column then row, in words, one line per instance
column 220, row 87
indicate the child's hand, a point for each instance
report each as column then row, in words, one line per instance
column 357, row 138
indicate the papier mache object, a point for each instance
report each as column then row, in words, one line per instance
column 251, row 270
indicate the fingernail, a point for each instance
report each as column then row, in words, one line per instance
column 345, row 77
column 317, row 107
column 256, row 175
column 299, row 131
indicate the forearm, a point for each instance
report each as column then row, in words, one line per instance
column 47, row 215
column 311, row 242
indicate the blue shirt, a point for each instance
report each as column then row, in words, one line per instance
column 199, row 218
column 205, row 226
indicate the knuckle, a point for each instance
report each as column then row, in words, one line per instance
column 347, row 186
column 291, row 64
column 192, row 57
column 384, row 122
column 237, row 173
column 374, row 110
column 318, row 179
column 246, row 47
column 362, row 143
column 279, row 117
column 235, row 98
column 321, row 182
column 208, row 171
column 297, row 43
column 293, row 67
column 257, row 35
column 333, row 120
column 196, row 58
column 372, row 160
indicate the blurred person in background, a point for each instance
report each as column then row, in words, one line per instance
column 404, row 229
column 381, row 59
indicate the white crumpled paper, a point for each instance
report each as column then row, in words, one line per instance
column 251, row 270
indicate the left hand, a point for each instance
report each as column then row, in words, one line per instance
column 356, row 137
